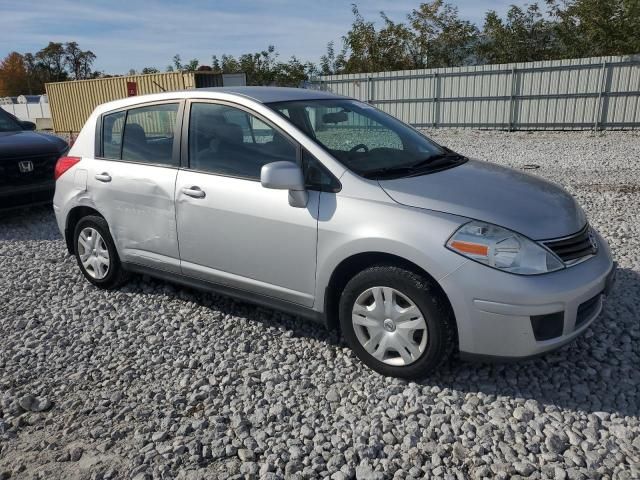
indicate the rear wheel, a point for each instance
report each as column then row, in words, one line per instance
column 396, row 321
column 96, row 253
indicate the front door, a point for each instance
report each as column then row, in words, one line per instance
column 231, row 230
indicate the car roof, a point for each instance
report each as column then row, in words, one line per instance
column 274, row 94
column 256, row 94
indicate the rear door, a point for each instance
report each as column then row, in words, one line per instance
column 232, row 231
column 132, row 182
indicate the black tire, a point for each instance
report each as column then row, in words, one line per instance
column 432, row 304
column 116, row 275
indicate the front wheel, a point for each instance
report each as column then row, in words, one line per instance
column 96, row 253
column 397, row 322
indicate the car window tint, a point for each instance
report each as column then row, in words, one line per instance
column 149, row 134
column 8, row 123
column 112, row 134
column 230, row 141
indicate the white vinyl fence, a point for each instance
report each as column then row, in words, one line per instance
column 32, row 111
column 587, row 93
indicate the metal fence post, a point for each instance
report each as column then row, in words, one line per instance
column 369, row 89
column 598, row 106
column 512, row 99
column 436, row 101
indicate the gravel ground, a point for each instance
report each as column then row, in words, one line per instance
column 155, row 381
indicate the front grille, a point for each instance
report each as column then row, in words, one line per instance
column 587, row 309
column 573, row 248
column 39, row 169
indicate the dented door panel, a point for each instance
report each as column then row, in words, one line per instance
column 137, row 200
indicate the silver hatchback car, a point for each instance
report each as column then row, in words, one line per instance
column 330, row 209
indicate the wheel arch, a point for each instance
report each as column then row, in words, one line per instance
column 356, row 263
column 73, row 217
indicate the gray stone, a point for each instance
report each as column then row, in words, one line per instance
column 75, row 454
column 556, row 444
column 31, row 403
column 245, row 454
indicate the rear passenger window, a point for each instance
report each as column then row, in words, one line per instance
column 112, row 127
column 230, row 141
column 149, row 133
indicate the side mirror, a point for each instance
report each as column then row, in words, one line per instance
column 286, row 176
column 27, row 125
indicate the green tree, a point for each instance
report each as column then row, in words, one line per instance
column 434, row 36
column 330, row 62
column 442, row 38
column 191, row 66
column 34, row 82
column 78, row 61
column 597, row 27
column 524, row 36
column 264, row 68
column 366, row 50
column 178, row 66
column 51, row 60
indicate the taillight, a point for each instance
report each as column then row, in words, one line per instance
column 64, row 164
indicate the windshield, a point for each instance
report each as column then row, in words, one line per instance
column 8, row 124
column 366, row 140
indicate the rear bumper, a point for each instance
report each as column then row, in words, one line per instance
column 26, row 195
column 494, row 309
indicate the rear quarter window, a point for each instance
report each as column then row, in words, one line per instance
column 112, row 128
column 149, row 134
column 144, row 134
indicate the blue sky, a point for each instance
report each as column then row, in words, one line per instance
column 135, row 33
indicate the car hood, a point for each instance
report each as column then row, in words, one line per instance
column 26, row 143
column 484, row 191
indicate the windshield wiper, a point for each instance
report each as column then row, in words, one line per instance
column 434, row 162
column 439, row 160
column 388, row 172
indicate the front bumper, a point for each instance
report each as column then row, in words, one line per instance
column 494, row 309
column 26, row 195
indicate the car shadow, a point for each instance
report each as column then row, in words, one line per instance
column 29, row 223
column 597, row 372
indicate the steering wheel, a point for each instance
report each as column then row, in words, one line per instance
column 358, row 147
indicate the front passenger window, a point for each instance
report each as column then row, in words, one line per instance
column 229, row 141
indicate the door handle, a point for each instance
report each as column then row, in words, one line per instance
column 103, row 177
column 195, row 192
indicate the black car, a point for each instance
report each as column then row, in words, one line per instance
column 27, row 163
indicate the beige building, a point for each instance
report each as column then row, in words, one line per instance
column 72, row 102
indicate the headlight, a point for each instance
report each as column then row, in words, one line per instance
column 503, row 249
